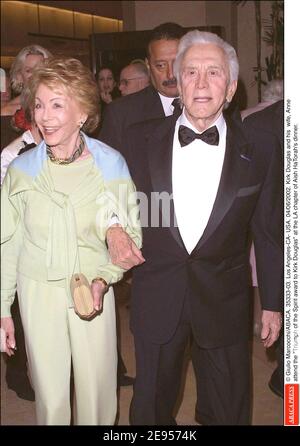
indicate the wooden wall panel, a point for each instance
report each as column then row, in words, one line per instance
column 56, row 22
column 83, row 24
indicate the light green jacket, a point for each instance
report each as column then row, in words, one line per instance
column 48, row 236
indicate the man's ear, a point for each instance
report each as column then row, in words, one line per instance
column 231, row 90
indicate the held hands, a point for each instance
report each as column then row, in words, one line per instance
column 271, row 326
column 122, row 250
column 8, row 342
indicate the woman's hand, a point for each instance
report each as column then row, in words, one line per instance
column 8, row 341
column 106, row 97
column 98, row 290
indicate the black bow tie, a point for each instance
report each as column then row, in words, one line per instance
column 187, row 135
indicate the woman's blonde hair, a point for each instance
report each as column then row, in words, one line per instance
column 17, row 65
column 76, row 79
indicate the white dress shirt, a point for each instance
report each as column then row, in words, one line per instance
column 167, row 104
column 196, row 173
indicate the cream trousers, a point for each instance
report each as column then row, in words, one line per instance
column 54, row 337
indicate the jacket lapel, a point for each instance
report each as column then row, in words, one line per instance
column 160, row 152
column 236, row 163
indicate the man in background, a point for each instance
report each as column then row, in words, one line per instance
column 134, row 77
column 154, row 101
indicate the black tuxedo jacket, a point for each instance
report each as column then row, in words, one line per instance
column 215, row 276
column 121, row 113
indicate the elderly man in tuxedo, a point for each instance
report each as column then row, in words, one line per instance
column 223, row 183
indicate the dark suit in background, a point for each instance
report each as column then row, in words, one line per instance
column 121, row 113
column 271, row 119
column 268, row 120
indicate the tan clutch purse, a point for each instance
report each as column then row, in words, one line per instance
column 82, row 295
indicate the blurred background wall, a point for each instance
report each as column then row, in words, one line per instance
column 64, row 27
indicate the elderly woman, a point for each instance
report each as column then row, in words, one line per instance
column 58, row 201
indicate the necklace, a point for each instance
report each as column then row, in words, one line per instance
column 76, row 154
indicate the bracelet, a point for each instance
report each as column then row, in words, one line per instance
column 100, row 279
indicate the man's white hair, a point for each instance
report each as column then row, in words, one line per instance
column 140, row 66
column 198, row 37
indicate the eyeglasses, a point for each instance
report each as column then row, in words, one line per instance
column 125, row 82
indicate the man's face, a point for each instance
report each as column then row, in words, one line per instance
column 204, row 84
column 131, row 80
column 162, row 54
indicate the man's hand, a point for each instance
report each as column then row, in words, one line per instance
column 122, row 250
column 8, row 341
column 271, row 326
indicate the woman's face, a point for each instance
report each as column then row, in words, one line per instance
column 58, row 117
column 106, row 81
column 31, row 61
